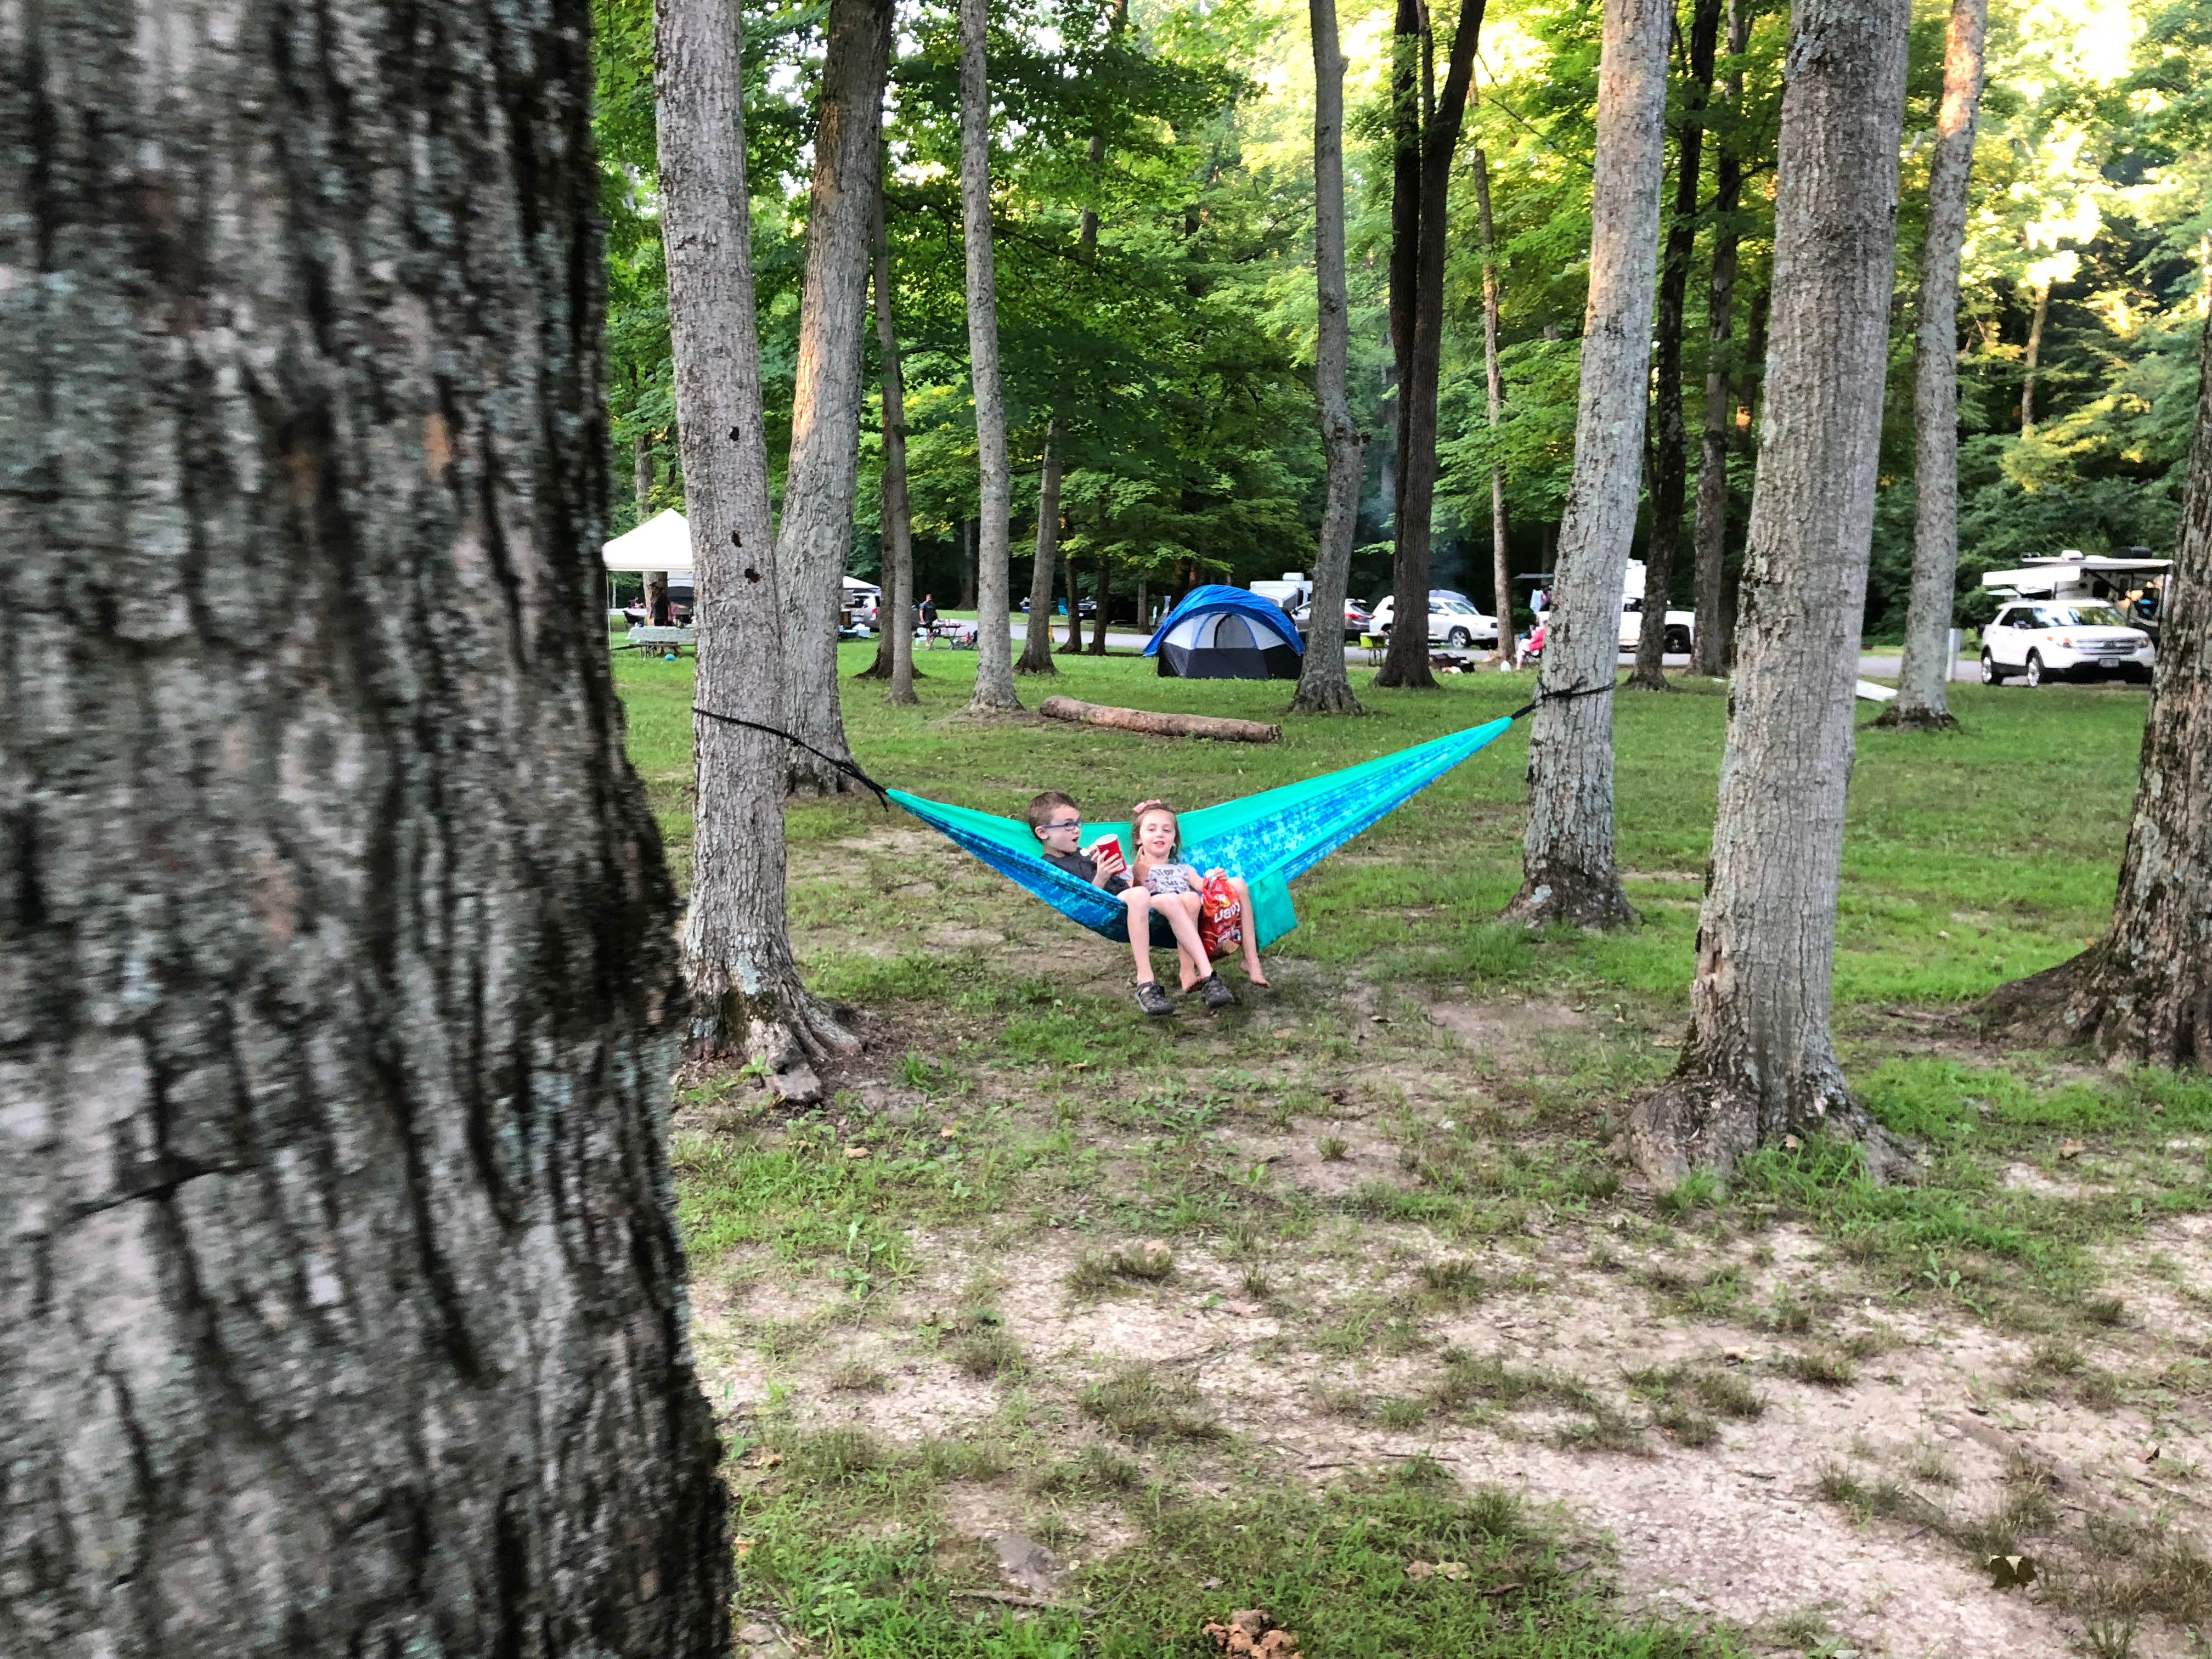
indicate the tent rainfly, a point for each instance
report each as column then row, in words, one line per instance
column 1221, row 633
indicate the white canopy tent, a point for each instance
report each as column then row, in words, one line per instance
column 662, row 543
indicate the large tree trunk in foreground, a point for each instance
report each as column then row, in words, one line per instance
column 994, row 653
column 1710, row 650
column 1501, row 561
column 1568, row 873
column 342, row 1305
column 1760, row 1063
column 2144, row 995
column 824, row 478
column 1924, row 680
column 895, row 658
column 1406, row 661
column 1324, row 688
column 746, row 993
column 1036, row 629
column 1671, row 452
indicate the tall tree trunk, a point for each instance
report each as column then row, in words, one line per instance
column 1144, row 604
column 1708, row 649
column 1760, row 1063
column 1923, row 679
column 341, row 1304
column 994, row 663
column 1075, row 641
column 745, row 991
column 897, row 510
column 1567, row 857
column 1036, row 631
column 823, row 478
column 1087, row 235
column 1671, row 452
column 1324, row 688
column 641, row 475
column 1406, row 662
column 2034, row 356
column 2143, row 994
column 1098, row 621
column 1407, row 30
column 1501, row 560
column 966, row 541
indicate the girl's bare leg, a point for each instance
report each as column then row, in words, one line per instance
column 1181, row 910
column 1251, row 933
column 1139, row 904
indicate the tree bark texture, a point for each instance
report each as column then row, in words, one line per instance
column 1154, row 725
column 1671, row 451
column 995, row 656
column 1074, row 640
column 1759, row 1063
column 967, row 564
column 745, row 991
column 897, row 510
column 1324, row 688
column 1709, row 649
column 1406, row 661
column 1568, row 870
column 341, row 1304
column 2032, row 359
column 1924, row 676
column 1501, row 561
column 1036, row 632
column 641, row 475
column 824, row 476
column 2144, row 995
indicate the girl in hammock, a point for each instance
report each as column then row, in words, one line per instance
column 1159, row 839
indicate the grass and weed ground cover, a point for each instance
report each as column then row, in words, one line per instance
column 1122, row 1286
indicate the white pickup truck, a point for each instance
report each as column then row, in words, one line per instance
column 1680, row 625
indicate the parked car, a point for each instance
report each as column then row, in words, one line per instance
column 2064, row 640
column 1355, row 619
column 1681, row 626
column 1084, row 607
column 1453, row 621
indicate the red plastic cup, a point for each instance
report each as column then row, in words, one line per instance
column 1103, row 845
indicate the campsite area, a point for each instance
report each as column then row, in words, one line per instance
column 1061, row 1329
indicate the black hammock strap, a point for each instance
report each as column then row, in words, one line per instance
column 846, row 766
column 1562, row 696
column 883, row 796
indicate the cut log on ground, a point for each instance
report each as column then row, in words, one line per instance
column 1159, row 726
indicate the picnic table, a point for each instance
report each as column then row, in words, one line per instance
column 662, row 640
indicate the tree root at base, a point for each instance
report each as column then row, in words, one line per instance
column 1599, row 905
column 1696, row 1120
column 1897, row 718
column 2093, row 1001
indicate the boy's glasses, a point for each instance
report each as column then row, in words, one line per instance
column 1071, row 823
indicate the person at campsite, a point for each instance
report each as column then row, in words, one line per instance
column 1057, row 822
column 929, row 615
column 656, row 605
column 1219, row 904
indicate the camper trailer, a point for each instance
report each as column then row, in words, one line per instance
column 2132, row 583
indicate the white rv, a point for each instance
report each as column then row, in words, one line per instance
column 2135, row 587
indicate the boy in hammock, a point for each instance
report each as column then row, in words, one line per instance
column 1057, row 822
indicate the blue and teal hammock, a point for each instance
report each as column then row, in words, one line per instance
column 1269, row 839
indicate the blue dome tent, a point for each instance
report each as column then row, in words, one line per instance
column 1221, row 633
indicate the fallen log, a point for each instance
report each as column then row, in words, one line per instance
column 1159, row 726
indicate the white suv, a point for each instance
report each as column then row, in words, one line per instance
column 1452, row 621
column 2064, row 640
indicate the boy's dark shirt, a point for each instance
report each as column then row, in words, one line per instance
column 1084, row 869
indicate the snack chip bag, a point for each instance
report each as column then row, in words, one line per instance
column 1220, row 919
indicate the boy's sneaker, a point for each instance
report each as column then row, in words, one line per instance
column 1215, row 989
column 1151, row 998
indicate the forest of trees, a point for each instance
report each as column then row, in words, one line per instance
column 1153, row 209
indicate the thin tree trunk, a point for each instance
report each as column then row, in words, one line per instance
column 2143, row 994
column 746, row 996
column 1144, row 604
column 824, row 478
column 966, row 541
column 1036, row 631
column 1671, row 452
column 1568, row 871
column 1324, row 688
column 1710, row 648
column 1924, row 678
column 1098, row 621
column 1760, row 1063
column 641, row 475
column 1073, row 643
column 897, row 510
column 1087, row 236
column 342, row 1302
column 1406, row 662
column 2035, row 357
column 1407, row 29
column 1501, row 560
column 994, row 665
